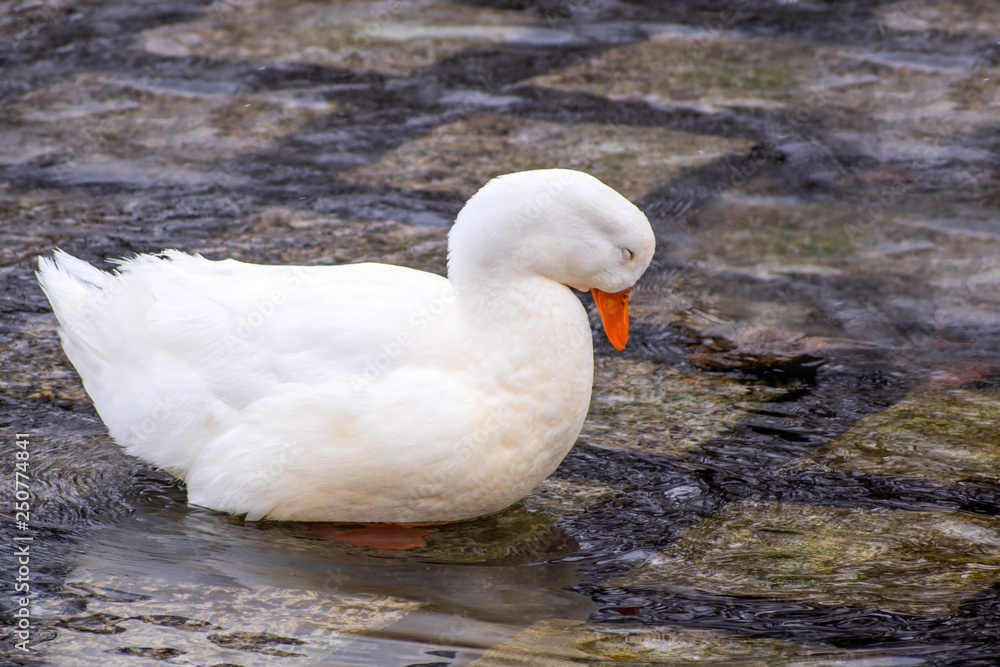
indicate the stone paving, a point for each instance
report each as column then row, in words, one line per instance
column 794, row 461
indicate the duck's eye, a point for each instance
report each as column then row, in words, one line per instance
column 627, row 254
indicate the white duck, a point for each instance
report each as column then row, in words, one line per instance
column 364, row 392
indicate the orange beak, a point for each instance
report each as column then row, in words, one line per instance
column 614, row 315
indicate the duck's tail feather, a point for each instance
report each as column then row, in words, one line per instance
column 76, row 291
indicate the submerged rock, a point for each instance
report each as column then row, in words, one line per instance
column 905, row 561
column 944, row 434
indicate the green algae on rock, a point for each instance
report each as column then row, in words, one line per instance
column 652, row 407
column 960, row 17
column 103, row 126
column 681, row 67
column 945, row 271
column 461, row 156
column 906, row 561
column 388, row 37
column 558, row 497
column 562, row 643
column 764, row 235
column 216, row 624
column 944, row 434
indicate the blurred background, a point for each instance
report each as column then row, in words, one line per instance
column 794, row 461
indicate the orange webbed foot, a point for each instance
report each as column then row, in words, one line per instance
column 384, row 536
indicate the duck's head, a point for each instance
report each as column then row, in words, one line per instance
column 560, row 224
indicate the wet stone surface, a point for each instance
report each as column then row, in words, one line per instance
column 795, row 459
column 461, row 156
column 941, row 433
column 917, row 562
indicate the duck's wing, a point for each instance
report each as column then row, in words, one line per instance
column 248, row 326
column 174, row 348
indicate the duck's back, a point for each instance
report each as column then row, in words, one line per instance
column 173, row 349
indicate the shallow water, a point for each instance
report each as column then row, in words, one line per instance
column 795, row 459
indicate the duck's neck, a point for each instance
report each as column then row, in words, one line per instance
column 530, row 350
column 527, row 313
